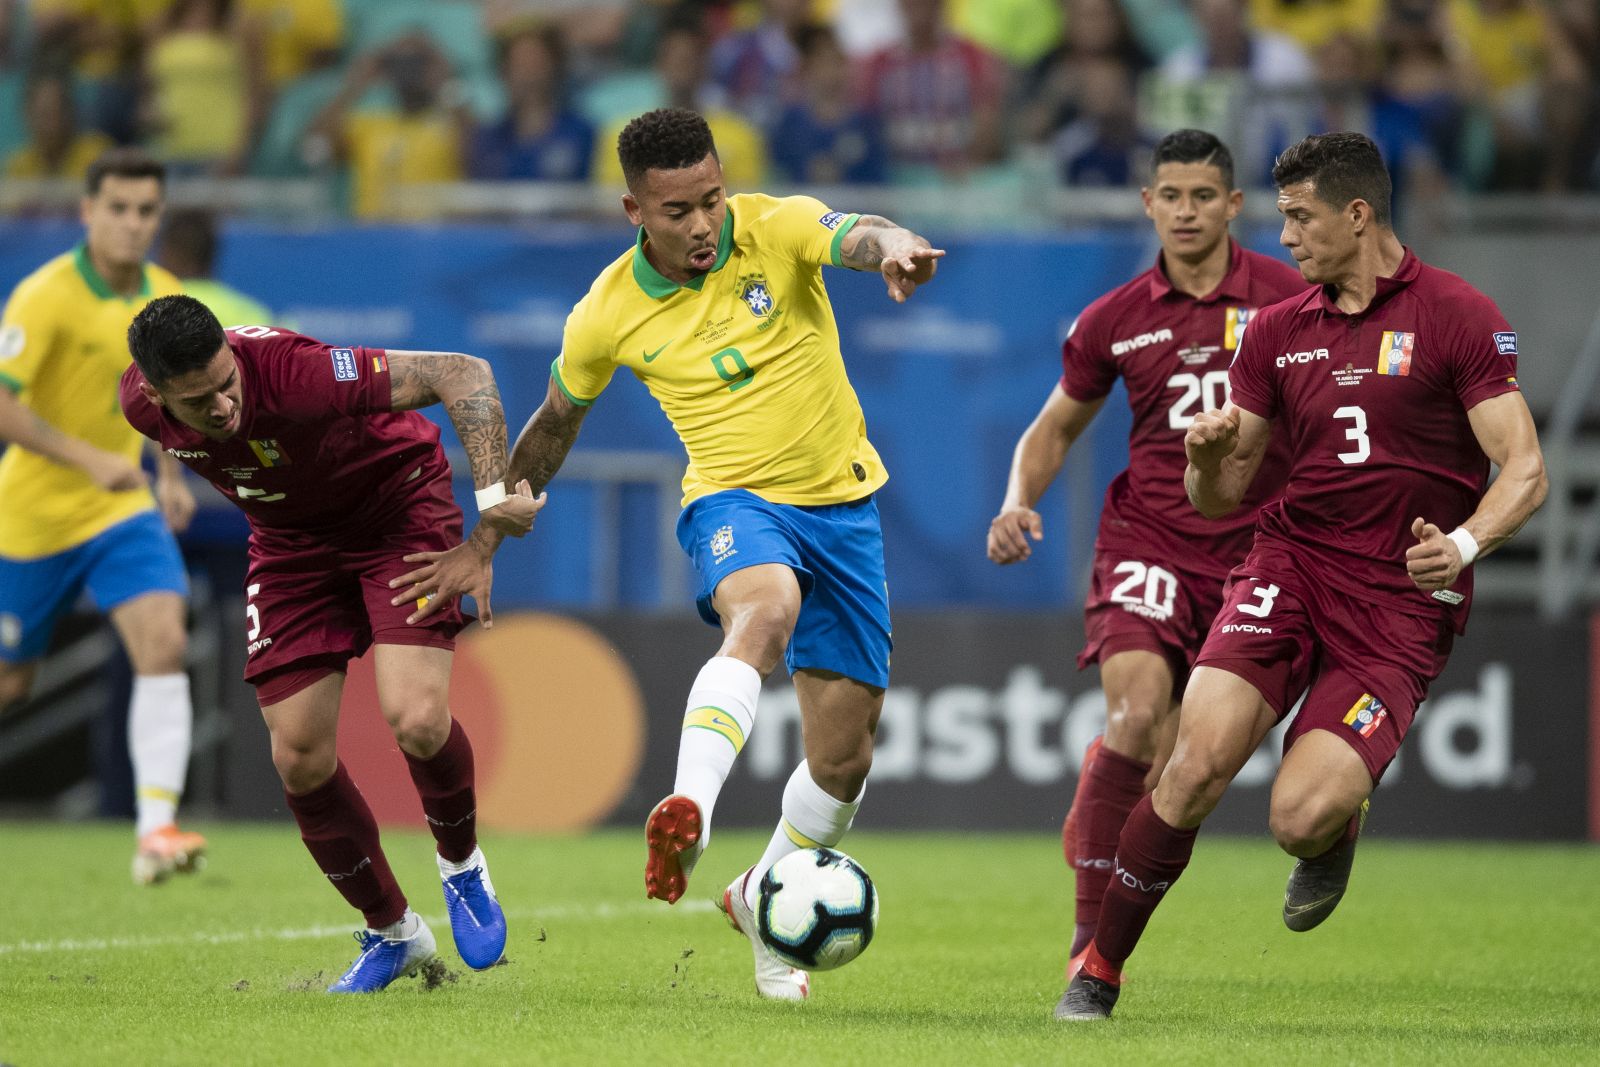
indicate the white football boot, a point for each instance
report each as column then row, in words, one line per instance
column 775, row 979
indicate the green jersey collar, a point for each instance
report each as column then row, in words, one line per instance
column 98, row 285
column 657, row 286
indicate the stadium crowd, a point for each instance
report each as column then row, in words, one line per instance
column 1477, row 95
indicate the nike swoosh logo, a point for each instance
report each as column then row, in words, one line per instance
column 1301, row 909
column 648, row 356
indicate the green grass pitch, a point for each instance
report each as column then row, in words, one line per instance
column 1441, row 954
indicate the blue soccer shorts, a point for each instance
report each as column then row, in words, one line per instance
column 836, row 552
column 132, row 558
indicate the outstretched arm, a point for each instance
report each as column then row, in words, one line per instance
column 1505, row 432
column 465, row 386
column 903, row 258
column 540, row 450
column 1225, row 449
column 24, row 428
column 1039, row 454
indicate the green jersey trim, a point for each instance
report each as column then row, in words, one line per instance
column 98, row 285
column 835, row 253
column 657, row 286
column 555, row 376
column 10, row 383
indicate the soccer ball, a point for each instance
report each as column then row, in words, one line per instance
column 817, row 909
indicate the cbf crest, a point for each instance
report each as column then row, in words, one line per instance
column 756, row 296
column 722, row 543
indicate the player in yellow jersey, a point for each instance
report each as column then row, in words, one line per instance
column 75, row 512
column 720, row 310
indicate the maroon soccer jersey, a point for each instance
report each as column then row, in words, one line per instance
column 1172, row 351
column 318, row 450
column 1374, row 406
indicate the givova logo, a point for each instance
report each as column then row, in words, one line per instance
column 1133, row 344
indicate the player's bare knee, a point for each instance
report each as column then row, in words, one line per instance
column 842, row 775
column 1194, row 782
column 421, row 728
column 1132, row 727
column 160, row 648
column 303, row 763
column 760, row 633
column 1305, row 823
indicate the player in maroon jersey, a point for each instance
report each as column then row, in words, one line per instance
column 1396, row 384
column 341, row 478
column 1159, row 567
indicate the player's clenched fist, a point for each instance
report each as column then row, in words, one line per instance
column 1212, row 437
column 1434, row 562
column 1009, row 533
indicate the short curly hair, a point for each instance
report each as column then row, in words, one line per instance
column 668, row 138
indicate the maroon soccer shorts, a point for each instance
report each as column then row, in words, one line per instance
column 1363, row 668
column 1137, row 601
column 312, row 604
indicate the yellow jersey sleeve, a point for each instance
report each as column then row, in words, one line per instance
column 585, row 366
column 27, row 333
column 805, row 229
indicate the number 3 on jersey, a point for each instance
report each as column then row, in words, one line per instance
column 1356, row 433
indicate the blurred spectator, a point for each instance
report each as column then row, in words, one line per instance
column 1229, row 45
column 759, row 68
column 1350, row 97
column 1311, row 22
column 56, row 148
column 863, row 26
column 1051, row 93
column 681, row 81
column 540, row 137
column 1505, row 45
column 297, row 36
column 1018, row 31
column 1253, row 88
column 189, row 250
column 826, row 137
column 1419, row 74
column 939, row 95
column 103, row 44
column 390, row 147
column 207, row 90
column 1104, row 145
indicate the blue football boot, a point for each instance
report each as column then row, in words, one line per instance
column 476, row 921
column 383, row 959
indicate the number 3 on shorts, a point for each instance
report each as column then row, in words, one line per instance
column 1267, row 594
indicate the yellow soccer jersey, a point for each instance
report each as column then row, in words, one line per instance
column 63, row 348
column 744, row 359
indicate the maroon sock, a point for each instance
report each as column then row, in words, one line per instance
column 444, row 782
column 1150, row 857
column 342, row 836
column 1113, row 786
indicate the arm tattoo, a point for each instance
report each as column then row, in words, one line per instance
column 465, row 385
column 545, row 441
column 480, row 422
column 866, row 252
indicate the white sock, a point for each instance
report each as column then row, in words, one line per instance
column 402, row 929
column 720, row 714
column 160, row 719
column 812, row 818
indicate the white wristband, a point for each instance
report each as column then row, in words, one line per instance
column 491, row 496
column 1466, row 543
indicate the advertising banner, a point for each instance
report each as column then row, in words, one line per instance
column 576, row 723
